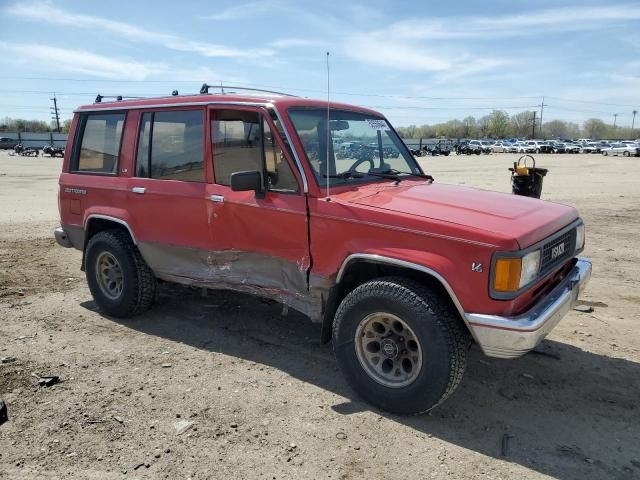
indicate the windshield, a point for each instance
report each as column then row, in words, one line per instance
column 361, row 147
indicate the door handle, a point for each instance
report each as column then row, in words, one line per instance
column 139, row 190
column 217, row 198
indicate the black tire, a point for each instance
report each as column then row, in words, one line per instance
column 138, row 281
column 626, row 154
column 437, row 328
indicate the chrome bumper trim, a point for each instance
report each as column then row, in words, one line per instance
column 62, row 238
column 510, row 337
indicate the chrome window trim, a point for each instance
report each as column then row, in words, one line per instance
column 305, row 184
column 113, row 219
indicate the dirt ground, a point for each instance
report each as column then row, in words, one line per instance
column 226, row 386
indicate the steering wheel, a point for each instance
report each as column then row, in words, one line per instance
column 357, row 163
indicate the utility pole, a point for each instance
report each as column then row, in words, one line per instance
column 615, row 120
column 541, row 111
column 633, row 122
column 55, row 113
column 533, row 125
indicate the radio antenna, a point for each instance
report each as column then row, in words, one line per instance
column 327, row 172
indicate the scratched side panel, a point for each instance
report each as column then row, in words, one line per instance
column 250, row 272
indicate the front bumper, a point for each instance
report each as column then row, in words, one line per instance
column 510, row 337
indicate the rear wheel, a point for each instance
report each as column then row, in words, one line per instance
column 626, row 154
column 400, row 345
column 120, row 281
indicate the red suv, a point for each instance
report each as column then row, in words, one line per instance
column 323, row 208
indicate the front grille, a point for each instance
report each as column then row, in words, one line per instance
column 556, row 251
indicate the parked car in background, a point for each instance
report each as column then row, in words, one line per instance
column 525, row 147
column 540, row 146
column 466, row 148
column 590, row 148
column 7, row 143
column 624, row 149
column 483, row 145
column 500, row 147
column 512, row 147
column 572, row 147
column 559, row 147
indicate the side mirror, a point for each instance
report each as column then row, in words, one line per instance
column 248, row 180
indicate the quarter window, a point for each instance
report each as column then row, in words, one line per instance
column 101, row 135
column 170, row 146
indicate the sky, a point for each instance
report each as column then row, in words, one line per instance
column 416, row 62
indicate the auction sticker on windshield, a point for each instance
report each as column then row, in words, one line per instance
column 377, row 124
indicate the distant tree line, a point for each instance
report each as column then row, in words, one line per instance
column 32, row 126
column 499, row 124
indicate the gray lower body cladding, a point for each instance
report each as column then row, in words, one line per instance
column 249, row 272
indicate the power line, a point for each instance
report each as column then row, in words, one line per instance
column 591, row 101
column 297, row 89
column 577, row 110
column 391, row 107
column 413, row 97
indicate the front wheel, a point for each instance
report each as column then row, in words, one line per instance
column 400, row 345
column 626, row 154
column 120, row 281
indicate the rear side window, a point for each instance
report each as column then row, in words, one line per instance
column 170, row 146
column 99, row 143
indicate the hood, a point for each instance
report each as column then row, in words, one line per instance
column 527, row 220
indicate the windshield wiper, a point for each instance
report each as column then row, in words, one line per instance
column 345, row 175
column 390, row 174
column 393, row 171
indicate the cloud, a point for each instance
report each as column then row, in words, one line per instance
column 239, row 12
column 535, row 22
column 89, row 63
column 81, row 61
column 379, row 50
column 296, row 42
column 375, row 49
column 43, row 11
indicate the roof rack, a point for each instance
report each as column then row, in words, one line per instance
column 118, row 98
column 205, row 89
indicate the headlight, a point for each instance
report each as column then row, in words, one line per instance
column 580, row 237
column 513, row 273
column 530, row 267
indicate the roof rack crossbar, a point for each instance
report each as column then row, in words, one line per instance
column 205, row 89
column 117, row 98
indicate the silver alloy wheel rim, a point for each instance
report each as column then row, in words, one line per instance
column 109, row 275
column 388, row 350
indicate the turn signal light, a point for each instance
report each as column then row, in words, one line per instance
column 507, row 274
